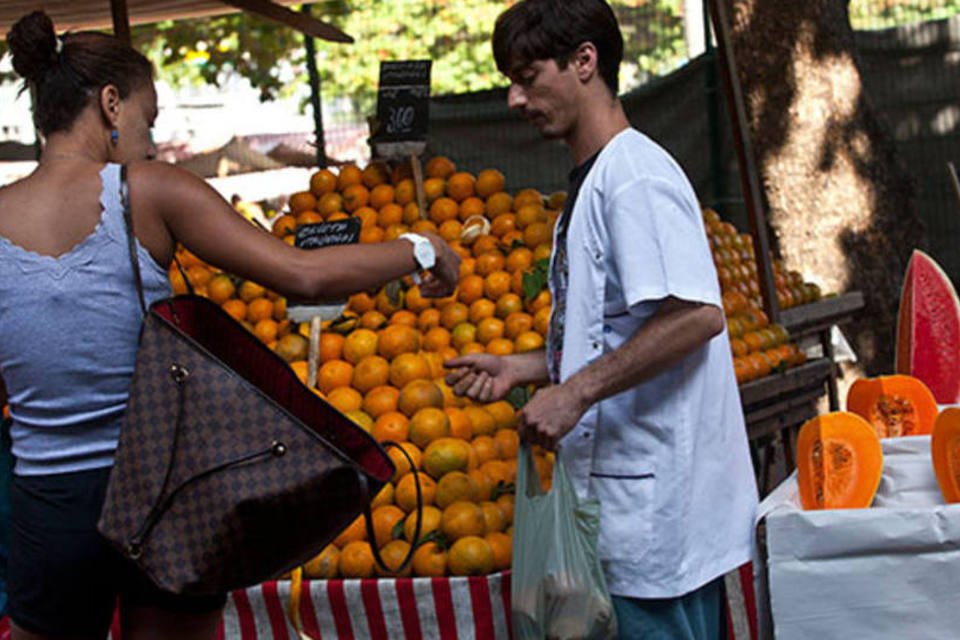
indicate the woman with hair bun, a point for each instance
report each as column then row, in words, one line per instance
column 70, row 320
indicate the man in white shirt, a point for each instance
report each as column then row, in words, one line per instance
column 644, row 409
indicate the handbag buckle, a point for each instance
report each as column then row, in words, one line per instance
column 179, row 372
column 133, row 550
column 278, row 448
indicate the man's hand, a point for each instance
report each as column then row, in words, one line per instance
column 442, row 279
column 550, row 414
column 480, row 376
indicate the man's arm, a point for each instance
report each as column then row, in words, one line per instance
column 676, row 329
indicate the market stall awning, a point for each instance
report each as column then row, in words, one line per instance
column 98, row 14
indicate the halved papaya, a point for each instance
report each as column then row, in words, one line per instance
column 897, row 405
column 839, row 462
column 945, row 451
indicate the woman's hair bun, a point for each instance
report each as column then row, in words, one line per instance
column 33, row 43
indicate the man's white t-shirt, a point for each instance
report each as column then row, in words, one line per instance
column 669, row 458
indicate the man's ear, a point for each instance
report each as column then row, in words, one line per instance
column 585, row 61
column 110, row 105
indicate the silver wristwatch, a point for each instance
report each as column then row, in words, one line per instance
column 423, row 251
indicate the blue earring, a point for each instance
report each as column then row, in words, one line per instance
column 114, row 137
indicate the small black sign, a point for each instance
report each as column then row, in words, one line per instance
column 325, row 234
column 403, row 101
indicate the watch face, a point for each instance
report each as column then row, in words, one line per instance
column 425, row 254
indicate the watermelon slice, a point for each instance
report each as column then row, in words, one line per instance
column 928, row 329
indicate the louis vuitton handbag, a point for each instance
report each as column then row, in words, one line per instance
column 229, row 471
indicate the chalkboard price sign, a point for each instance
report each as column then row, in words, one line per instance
column 325, row 234
column 403, row 101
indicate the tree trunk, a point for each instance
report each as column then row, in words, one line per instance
column 841, row 206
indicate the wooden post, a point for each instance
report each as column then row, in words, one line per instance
column 121, row 20
column 418, row 181
column 313, row 355
column 746, row 160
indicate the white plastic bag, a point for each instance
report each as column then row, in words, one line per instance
column 558, row 589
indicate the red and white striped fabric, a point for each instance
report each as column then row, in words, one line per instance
column 407, row 609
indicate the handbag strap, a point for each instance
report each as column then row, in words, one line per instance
column 368, row 516
column 132, row 243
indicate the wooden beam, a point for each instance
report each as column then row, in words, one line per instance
column 121, row 20
column 749, row 180
column 300, row 22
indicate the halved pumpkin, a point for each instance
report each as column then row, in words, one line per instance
column 839, row 462
column 897, row 405
column 945, row 451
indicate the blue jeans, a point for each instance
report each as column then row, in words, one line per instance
column 698, row 615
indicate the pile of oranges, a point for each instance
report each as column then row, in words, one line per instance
column 758, row 347
column 381, row 363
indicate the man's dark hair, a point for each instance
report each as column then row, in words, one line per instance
column 65, row 74
column 553, row 29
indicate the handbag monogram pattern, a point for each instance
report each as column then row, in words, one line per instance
column 229, row 471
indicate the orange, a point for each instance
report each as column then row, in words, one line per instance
column 527, row 196
column 415, row 301
column 300, row 368
column 503, row 224
column 372, row 371
column 505, row 501
column 541, row 321
column 375, row 173
column 541, row 300
column 450, row 230
column 177, row 283
column 361, row 302
column 392, row 555
column 367, row 216
column 405, row 192
column 323, row 181
column 333, row 374
column 498, row 203
column 221, row 288
column 323, row 566
column 259, row 309
column 371, row 235
column 302, row 201
column 380, row 400
column 444, row 455
column 372, row 319
column 460, row 186
column 433, row 188
column 436, row 338
column 490, row 262
column 528, row 341
column 406, row 493
column 481, row 309
column 437, row 371
column 489, row 182
column 389, row 214
column 484, row 244
column 356, row 560
column 500, row 346
column 392, row 426
column 507, row 442
column 489, row 329
column 284, row 225
column 424, row 226
column 430, row 522
column 355, row 197
column 443, row 209
column 498, row 470
column 396, row 339
column 460, row 425
column 428, row 424
column 292, row 347
column 429, row 560
column 470, row 289
column 329, row 204
column 402, row 171
column 417, row 395
column 280, row 309
column 356, row 531
column 345, row 399
column 516, row 322
column 463, row 334
column 556, row 200
column 408, row 367
column 384, row 497
column 493, row 516
column 412, row 213
column 404, row 316
column 400, row 462
column 485, row 449
column 462, row 518
column 331, row 346
column 484, row 483
column 502, row 546
column 359, row 344
column 472, row 347
column 266, row 330
column 529, row 214
column 308, row 217
column 519, row 259
column 383, row 520
column 361, row 419
column 250, row 290
column 439, row 167
column 349, row 175
column 537, row 233
column 456, row 486
column 470, row 207
column 337, row 215
column 481, row 420
column 496, row 284
column 504, row 415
